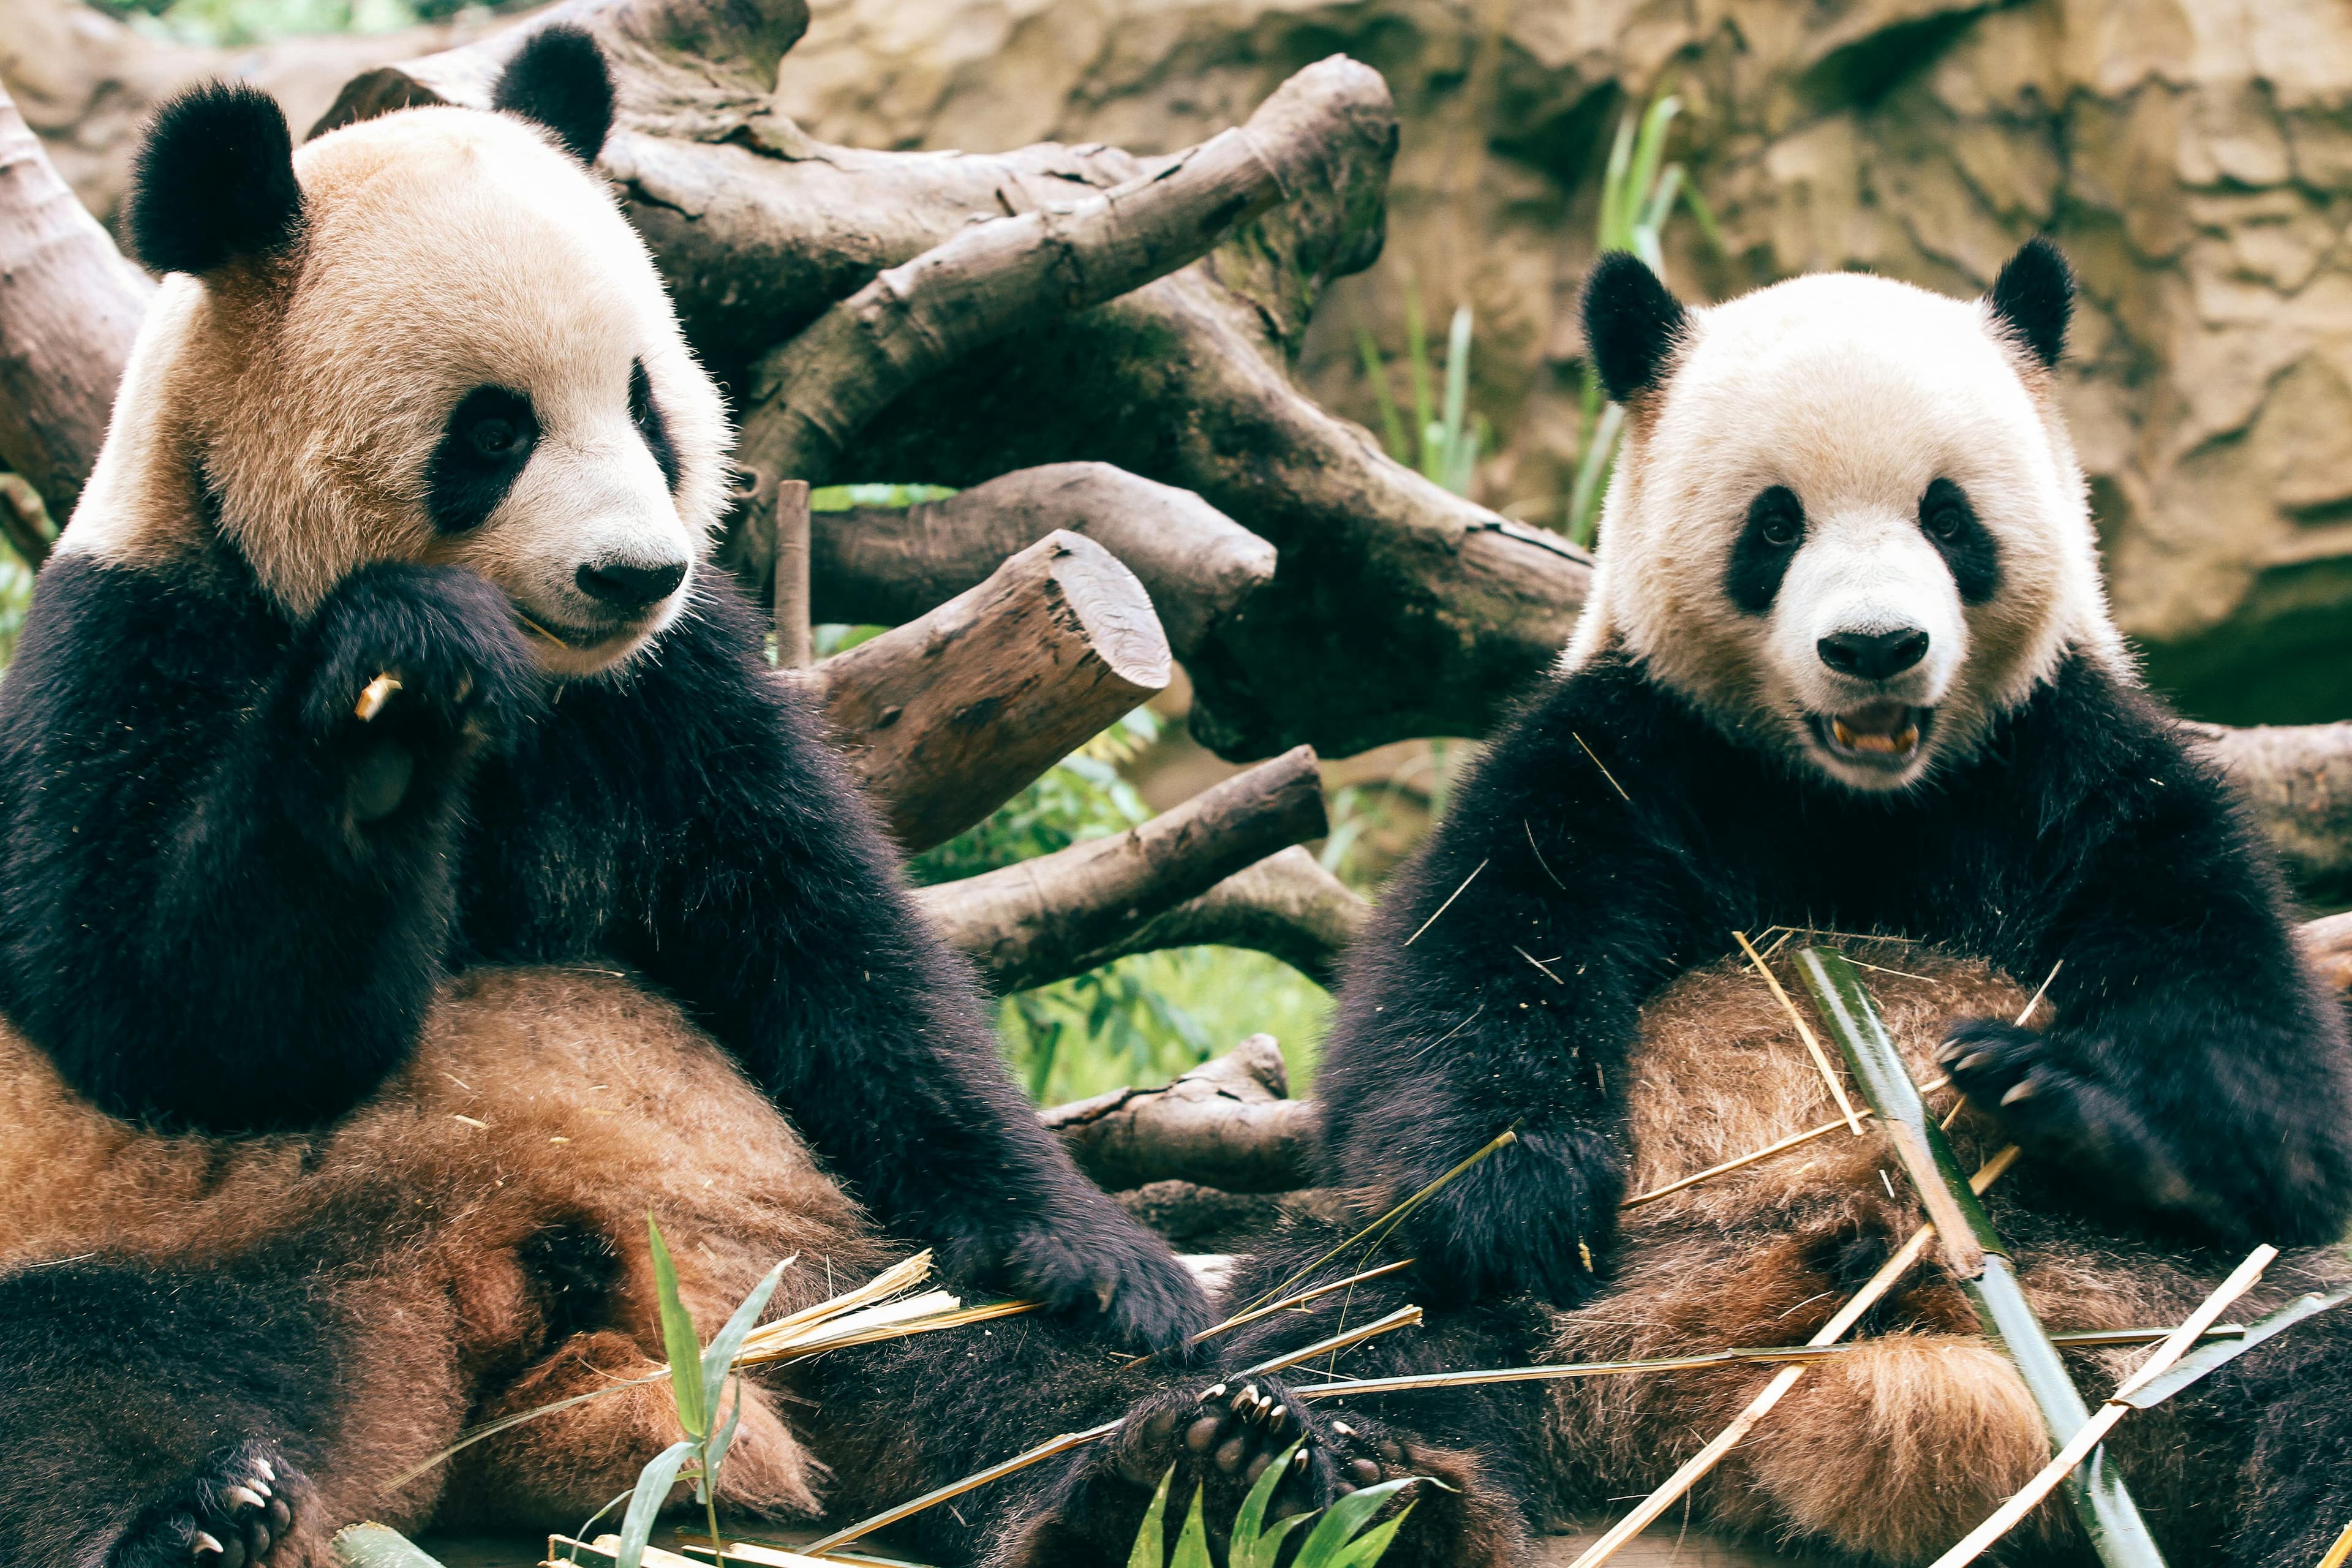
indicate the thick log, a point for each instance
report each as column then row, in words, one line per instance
column 882, row 565
column 1229, row 1123
column 69, row 307
column 943, row 718
column 1041, row 920
column 2298, row 780
column 817, row 392
column 1285, row 905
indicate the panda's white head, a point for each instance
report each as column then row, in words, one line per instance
column 1847, row 523
column 430, row 336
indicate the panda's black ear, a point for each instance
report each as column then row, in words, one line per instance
column 214, row 181
column 558, row 79
column 2033, row 297
column 1632, row 325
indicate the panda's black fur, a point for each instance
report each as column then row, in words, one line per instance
column 237, row 896
column 1559, row 962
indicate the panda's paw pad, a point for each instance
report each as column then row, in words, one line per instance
column 234, row 1513
column 1365, row 1454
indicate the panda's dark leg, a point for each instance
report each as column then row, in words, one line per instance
column 928, row 1411
column 2287, row 1407
column 151, row 1418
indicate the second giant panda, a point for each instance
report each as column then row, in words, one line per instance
column 1846, row 666
column 412, row 875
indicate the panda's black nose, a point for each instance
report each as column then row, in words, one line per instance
column 629, row 585
column 1873, row 656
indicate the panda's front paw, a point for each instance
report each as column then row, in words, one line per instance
column 411, row 668
column 1097, row 1267
column 235, row 1512
column 2048, row 1102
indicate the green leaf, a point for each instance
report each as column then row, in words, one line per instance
column 653, row 1484
column 686, row 1388
column 1150, row 1541
column 716, row 1454
column 1193, row 1546
column 1246, row 1552
column 721, row 1352
column 1373, row 1544
column 1376, row 370
column 1341, row 1523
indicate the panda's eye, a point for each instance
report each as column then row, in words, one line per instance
column 495, row 437
column 1767, row 544
column 1780, row 529
column 1968, row 547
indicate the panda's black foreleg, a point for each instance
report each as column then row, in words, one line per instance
column 228, row 888
column 151, row 1417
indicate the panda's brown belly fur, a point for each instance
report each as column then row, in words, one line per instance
column 1896, row 1450
column 544, row 1106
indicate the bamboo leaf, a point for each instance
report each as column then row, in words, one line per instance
column 1416, row 359
column 1613, row 188
column 1457, row 395
column 1343, row 1520
column 2210, row 1358
column 1246, row 1552
column 1193, row 1546
column 1373, row 1544
column 721, row 1352
column 716, row 1454
column 653, row 1489
column 1376, row 370
column 1150, row 1541
column 678, row 1338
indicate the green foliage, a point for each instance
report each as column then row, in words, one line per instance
column 1083, row 796
column 1340, row 1539
column 698, row 1376
column 232, row 22
column 1638, row 194
column 16, row 597
column 842, row 498
column 1447, row 438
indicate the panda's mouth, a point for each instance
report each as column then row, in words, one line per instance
column 1876, row 734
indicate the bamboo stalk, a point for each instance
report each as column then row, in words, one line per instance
column 1804, row 1033
column 1706, row 1458
column 2084, row 1442
column 2341, row 1553
column 1976, row 1254
column 378, row 1546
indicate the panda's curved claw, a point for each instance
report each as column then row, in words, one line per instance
column 204, row 1544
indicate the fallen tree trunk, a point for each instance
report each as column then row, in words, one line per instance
column 881, row 565
column 69, row 307
column 1229, row 1123
column 1044, row 919
column 945, row 718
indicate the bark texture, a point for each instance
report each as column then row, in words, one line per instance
column 944, row 718
column 1041, row 920
column 1229, row 1123
column 1285, row 905
column 2299, row 781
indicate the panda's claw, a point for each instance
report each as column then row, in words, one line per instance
column 206, row 1543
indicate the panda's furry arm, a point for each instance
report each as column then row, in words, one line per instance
column 2190, row 1059
column 224, row 897
column 1497, row 986
column 780, row 917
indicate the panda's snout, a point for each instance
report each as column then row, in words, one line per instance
column 1873, row 656
column 627, row 587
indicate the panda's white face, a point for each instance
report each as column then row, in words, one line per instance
column 468, row 359
column 1849, row 527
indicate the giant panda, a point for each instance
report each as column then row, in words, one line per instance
column 1846, row 666
column 413, row 876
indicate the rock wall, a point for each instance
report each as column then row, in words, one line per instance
column 2193, row 156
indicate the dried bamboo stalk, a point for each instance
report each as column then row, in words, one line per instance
column 1706, row 1458
column 2080, row 1446
column 2341, row 1553
column 1804, row 1033
column 2102, row 1503
column 1403, row 1317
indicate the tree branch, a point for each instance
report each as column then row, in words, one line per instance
column 69, row 307
column 2299, row 781
column 943, row 718
column 1229, row 1123
column 886, row 564
column 1285, row 905
column 1044, row 919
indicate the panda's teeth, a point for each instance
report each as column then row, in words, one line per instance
column 1893, row 743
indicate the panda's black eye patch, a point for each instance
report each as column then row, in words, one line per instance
column 650, row 424
column 1776, row 526
column 483, row 447
column 1967, row 546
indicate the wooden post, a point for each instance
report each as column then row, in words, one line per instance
column 794, row 650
